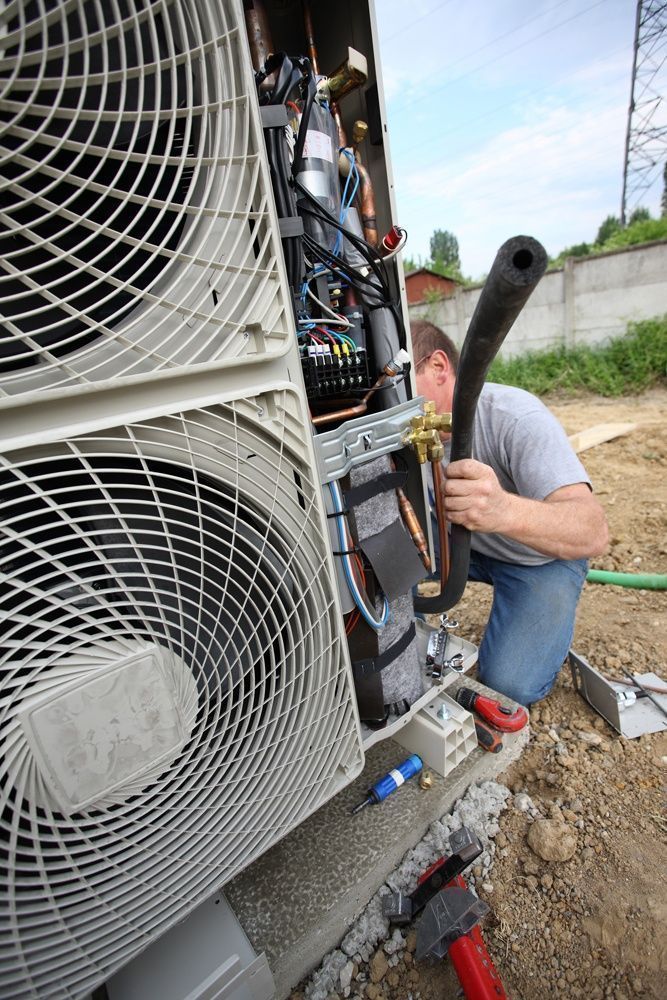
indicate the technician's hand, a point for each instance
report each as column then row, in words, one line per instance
column 474, row 497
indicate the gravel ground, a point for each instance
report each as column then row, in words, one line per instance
column 594, row 922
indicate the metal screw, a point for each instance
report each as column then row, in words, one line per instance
column 443, row 712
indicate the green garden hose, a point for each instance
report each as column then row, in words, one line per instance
column 642, row 581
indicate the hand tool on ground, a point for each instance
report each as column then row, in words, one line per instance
column 645, row 690
column 449, row 926
column 391, row 781
column 488, row 738
column 449, row 918
column 400, row 908
column 492, row 711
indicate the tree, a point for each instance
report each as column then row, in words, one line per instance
column 663, row 204
column 444, row 251
column 611, row 225
column 639, row 215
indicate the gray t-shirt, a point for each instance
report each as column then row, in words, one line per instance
column 529, row 452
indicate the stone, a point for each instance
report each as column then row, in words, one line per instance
column 372, row 992
column 346, row 974
column 378, row 966
column 594, row 739
column 411, row 941
column 552, row 840
column 547, row 881
column 501, row 839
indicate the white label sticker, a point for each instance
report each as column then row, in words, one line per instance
column 319, row 145
column 397, row 776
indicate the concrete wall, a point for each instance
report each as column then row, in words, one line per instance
column 588, row 301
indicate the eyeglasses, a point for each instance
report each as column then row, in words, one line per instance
column 422, row 360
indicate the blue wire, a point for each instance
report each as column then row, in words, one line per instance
column 356, row 596
column 345, row 203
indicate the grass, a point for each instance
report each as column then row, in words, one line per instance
column 622, row 367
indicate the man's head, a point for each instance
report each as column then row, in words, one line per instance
column 436, row 361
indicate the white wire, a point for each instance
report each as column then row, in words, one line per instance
column 357, row 597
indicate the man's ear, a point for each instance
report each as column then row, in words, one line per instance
column 441, row 365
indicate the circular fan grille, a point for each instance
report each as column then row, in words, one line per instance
column 191, row 541
column 135, row 229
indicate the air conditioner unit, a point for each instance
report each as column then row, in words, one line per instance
column 176, row 687
column 137, row 231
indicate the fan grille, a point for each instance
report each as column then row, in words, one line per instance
column 136, row 231
column 198, row 537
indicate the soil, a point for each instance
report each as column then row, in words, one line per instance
column 594, row 925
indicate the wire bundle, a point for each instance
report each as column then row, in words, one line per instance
column 359, row 597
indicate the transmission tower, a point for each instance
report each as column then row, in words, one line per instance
column 646, row 136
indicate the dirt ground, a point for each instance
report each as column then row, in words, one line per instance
column 594, row 925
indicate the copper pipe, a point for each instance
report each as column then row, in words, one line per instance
column 411, row 522
column 367, row 204
column 259, row 39
column 439, row 491
column 351, row 411
column 310, row 37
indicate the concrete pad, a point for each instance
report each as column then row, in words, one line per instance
column 298, row 900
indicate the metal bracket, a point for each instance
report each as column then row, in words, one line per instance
column 364, row 438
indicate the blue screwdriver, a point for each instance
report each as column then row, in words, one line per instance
column 392, row 780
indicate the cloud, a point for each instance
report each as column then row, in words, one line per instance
column 554, row 173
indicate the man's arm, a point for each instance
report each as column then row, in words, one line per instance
column 568, row 524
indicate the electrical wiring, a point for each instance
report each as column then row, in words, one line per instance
column 348, row 197
column 332, row 318
column 343, row 541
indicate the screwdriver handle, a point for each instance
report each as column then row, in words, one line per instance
column 487, row 738
column 396, row 777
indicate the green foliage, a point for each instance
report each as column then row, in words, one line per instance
column 444, row 248
column 643, row 231
column 624, row 366
column 640, row 229
column 611, row 225
column 578, row 250
column 639, row 215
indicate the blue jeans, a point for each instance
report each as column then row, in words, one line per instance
column 531, row 623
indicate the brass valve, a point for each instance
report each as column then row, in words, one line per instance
column 424, row 434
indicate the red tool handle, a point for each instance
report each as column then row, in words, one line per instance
column 473, row 965
column 487, row 738
column 476, row 972
column 506, row 719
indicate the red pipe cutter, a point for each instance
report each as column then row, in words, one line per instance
column 450, row 914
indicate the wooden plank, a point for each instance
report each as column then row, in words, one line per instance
column 598, row 435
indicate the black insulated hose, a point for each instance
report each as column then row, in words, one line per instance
column 519, row 265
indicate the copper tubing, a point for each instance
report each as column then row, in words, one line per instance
column 414, row 528
column 310, row 37
column 351, row 411
column 439, row 491
column 367, row 204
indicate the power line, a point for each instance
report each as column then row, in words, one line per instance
column 416, row 20
column 430, row 141
column 502, row 55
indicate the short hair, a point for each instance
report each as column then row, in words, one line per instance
column 427, row 338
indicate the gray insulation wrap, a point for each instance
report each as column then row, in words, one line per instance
column 402, row 679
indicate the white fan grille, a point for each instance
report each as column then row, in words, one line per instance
column 136, row 232
column 197, row 535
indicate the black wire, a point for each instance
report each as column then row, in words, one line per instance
column 365, row 249
column 343, row 269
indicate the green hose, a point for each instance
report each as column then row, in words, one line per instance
column 643, row 581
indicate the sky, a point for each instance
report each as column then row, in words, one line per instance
column 507, row 117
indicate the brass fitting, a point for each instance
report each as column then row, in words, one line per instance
column 424, row 434
column 426, row 780
column 359, row 132
column 352, row 73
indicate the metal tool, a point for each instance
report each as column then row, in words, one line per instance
column 391, row 781
column 508, row 720
column 450, row 914
column 436, row 652
column 644, row 691
column 400, row 908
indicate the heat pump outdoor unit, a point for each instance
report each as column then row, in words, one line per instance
column 176, row 683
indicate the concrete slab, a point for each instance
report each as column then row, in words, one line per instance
column 297, row 901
